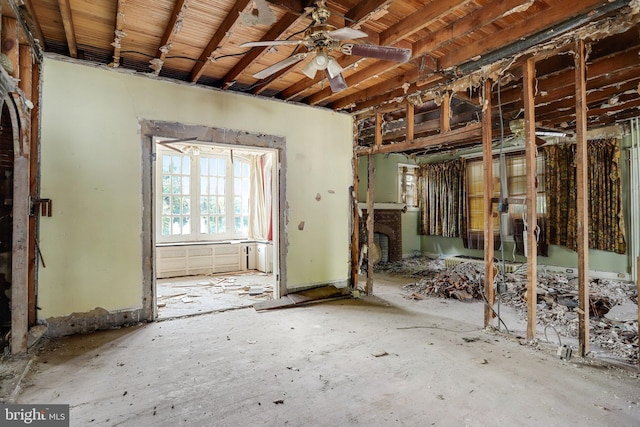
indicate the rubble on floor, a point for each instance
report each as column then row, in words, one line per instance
column 613, row 304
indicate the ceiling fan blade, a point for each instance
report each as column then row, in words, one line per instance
column 271, row 43
column 336, row 83
column 387, row 53
column 280, row 65
column 346, row 33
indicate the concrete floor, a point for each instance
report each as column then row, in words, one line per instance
column 376, row 361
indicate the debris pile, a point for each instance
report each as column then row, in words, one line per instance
column 462, row 282
column 613, row 304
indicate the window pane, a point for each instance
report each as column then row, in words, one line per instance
column 166, row 184
column 204, row 186
column 166, row 226
column 204, row 206
column 221, row 224
column 237, row 186
column 186, row 184
column 220, row 186
column 175, row 228
column 175, row 164
column 204, row 166
column 186, row 205
column 186, row 165
column 221, row 206
column 212, row 225
column 166, row 205
column 186, row 225
column 221, row 167
column 213, row 167
column 175, row 203
column 176, row 184
column 166, row 163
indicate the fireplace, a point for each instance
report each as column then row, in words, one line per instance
column 387, row 224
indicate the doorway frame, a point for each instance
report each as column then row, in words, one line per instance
column 149, row 131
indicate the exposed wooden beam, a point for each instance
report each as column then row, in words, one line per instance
column 229, row 21
column 422, row 18
column 448, row 139
column 529, row 76
column 362, row 10
column 69, row 29
column 548, row 17
column 487, row 165
column 293, row 6
column 465, row 25
column 582, row 198
column 34, row 167
column 171, row 30
column 119, row 33
column 380, row 88
column 364, row 74
column 287, row 20
column 34, row 23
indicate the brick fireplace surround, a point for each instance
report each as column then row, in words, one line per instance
column 388, row 222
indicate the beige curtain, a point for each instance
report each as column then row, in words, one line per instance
column 441, row 198
column 260, row 197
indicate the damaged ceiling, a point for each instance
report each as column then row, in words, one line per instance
column 454, row 46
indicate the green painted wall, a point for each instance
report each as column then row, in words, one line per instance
column 91, row 166
column 385, row 190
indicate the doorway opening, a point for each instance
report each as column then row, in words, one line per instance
column 214, row 209
column 211, row 236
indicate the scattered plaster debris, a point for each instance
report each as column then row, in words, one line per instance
column 261, row 14
column 519, row 9
column 318, row 197
column 301, row 226
column 156, row 64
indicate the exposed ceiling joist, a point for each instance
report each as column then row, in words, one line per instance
column 170, row 31
column 118, row 32
column 69, row 29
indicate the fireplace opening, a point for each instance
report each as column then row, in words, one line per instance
column 382, row 240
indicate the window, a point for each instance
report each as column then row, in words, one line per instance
column 516, row 174
column 204, row 196
column 407, row 185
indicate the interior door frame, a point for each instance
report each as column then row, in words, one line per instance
column 149, row 131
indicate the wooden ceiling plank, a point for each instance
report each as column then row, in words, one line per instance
column 292, row 6
column 419, row 20
column 171, row 30
column 69, row 29
column 229, row 21
column 32, row 18
column 119, row 33
column 551, row 16
column 279, row 28
column 485, row 16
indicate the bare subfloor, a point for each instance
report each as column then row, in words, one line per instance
column 187, row 296
column 375, row 361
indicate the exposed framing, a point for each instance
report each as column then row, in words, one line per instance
column 151, row 128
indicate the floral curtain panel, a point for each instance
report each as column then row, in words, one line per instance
column 606, row 221
column 441, row 198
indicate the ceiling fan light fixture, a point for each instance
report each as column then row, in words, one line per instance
column 321, row 60
column 310, row 69
column 333, row 68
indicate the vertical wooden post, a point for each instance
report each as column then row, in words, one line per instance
column 26, row 83
column 370, row 214
column 487, row 164
column 582, row 198
column 378, row 135
column 19, row 268
column 355, row 232
column 411, row 121
column 445, row 113
column 529, row 75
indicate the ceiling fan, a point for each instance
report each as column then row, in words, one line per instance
column 320, row 39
